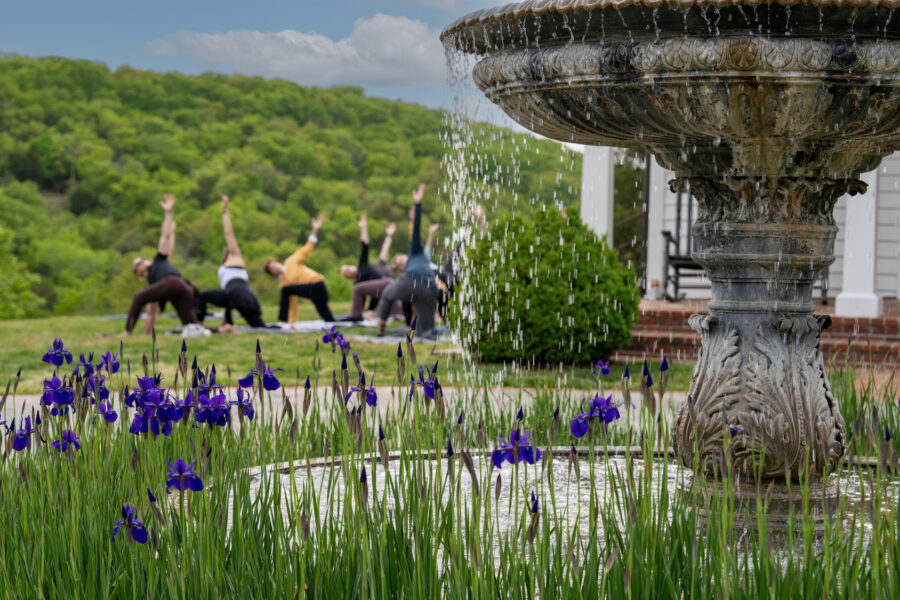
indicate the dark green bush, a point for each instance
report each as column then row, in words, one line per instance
column 544, row 289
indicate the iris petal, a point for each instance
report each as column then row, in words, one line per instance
column 270, row 383
column 497, row 458
column 139, row 534
column 579, row 427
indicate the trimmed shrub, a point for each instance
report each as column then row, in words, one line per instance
column 544, row 289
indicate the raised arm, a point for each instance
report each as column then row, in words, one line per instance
column 235, row 258
column 364, row 229
column 432, row 229
column 363, row 241
column 306, row 250
column 415, row 241
column 167, row 236
column 388, row 240
column 171, row 252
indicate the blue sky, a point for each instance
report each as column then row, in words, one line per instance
column 389, row 47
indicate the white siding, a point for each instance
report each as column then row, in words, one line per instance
column 887, row 282
column 835, row 273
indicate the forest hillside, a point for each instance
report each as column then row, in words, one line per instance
column 86, row 154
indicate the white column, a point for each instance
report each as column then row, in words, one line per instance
column 858, row 297
column 597, row 185
column 656, row 204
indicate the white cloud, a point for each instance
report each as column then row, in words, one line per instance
column 447, row 5
column 382, row 51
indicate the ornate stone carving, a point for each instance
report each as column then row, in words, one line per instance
column 761, row 200
column 770, row 385
column 700, row 105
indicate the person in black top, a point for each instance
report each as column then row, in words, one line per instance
column 164, row 282
column 371, row 279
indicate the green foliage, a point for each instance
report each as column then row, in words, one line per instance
column 16, row 298
column 86, row 154
column 546, row 289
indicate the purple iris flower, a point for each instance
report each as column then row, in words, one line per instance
column 516, row 450
column 336, row 339
column 147, row 392
column 57, row 355
column 733, row 429
column 213, row 410
column 534, row 503
column 603, row 367
column 270, row 382
column 243, row 403
column 87, row 365
column 68, row 438
column 371, row 396
column 96, row 387
column 57, row 392
column 109, row 415
column 141, row 422
column 22, row 436
column 135, row 528
column 182, row 476
column 599, row 408
column 109, row 362
column 399, row 351
column 626, row 374
column 664, row 366
column 427, row 384
column 887, row 434
column 209, row 386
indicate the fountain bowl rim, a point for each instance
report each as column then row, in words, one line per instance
column 537, row 8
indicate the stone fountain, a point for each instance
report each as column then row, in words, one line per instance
column 767, row 113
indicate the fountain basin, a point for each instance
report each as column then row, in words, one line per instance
column 743, row 89
column 505, row 515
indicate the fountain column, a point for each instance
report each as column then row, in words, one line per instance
column 760, row 375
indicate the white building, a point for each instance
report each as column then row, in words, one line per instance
column 867, row 250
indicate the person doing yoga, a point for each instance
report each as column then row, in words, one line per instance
column 418, row 284
column 371, row 279
column 299, row 280
column 164, row 282
column 234, row 291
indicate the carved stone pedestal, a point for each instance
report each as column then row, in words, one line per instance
column 760, row 384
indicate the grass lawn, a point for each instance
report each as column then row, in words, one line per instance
column 24, row 343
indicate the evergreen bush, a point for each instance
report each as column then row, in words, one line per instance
column 544, row 289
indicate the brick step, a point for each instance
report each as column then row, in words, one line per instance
column 840, row 328
column 836, row 350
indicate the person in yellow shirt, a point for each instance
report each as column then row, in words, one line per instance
column 299, row 280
